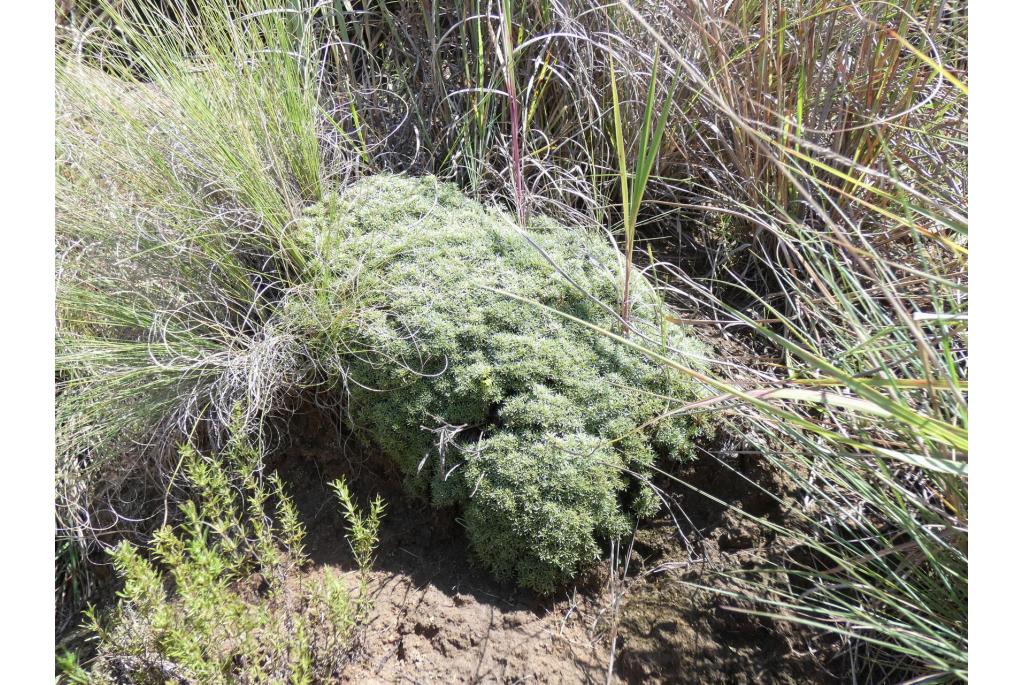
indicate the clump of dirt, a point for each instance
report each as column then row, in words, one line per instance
column 438, row 618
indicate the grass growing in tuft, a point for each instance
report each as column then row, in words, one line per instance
column 184, row 151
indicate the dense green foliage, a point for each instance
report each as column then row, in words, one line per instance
column 525, row 418
column 808, row 158
column 235, row 613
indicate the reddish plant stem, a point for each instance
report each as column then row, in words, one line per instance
column 517, row 153
column 513, row 104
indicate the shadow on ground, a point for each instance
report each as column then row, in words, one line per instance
column 437, row 618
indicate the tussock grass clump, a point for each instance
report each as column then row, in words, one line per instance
column 223, row 603
column 526, row 419
column 183, row 151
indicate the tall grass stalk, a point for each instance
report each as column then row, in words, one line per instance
column 508, row 57
column 648, row 145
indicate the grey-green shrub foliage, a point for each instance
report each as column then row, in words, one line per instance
column 223, row 603
column 527, row 420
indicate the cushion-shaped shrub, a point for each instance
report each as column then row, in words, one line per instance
column 541, row 429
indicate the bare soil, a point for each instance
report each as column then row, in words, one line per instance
column 438, row 618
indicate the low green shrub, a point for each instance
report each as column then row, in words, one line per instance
column 225, row 604
column 529, row 421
